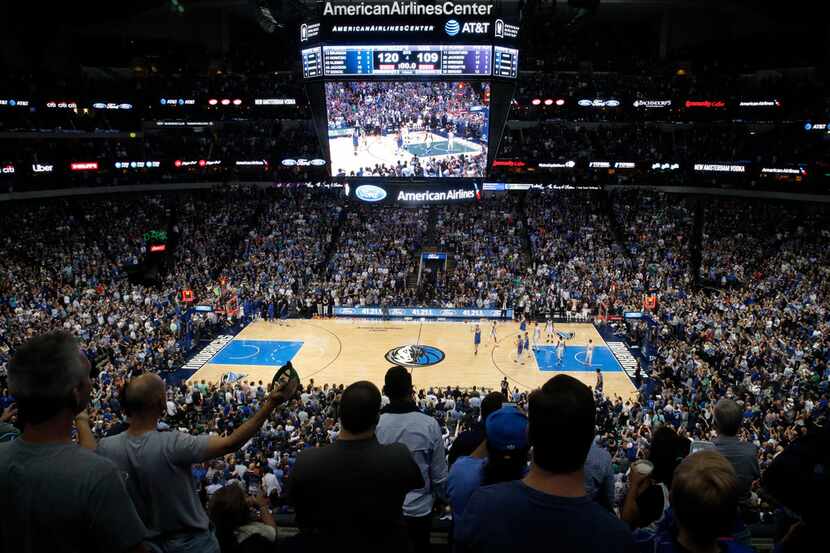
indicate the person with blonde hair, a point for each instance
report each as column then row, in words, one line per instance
column 704, row 507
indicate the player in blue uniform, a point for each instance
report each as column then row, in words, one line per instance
column 519, row 348
column 523, row 325
column 527, row 344
column 355, row 139
column 477, row 338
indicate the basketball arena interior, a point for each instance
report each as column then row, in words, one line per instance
column 417, row 276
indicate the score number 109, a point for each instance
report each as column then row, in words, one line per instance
column 395, row 57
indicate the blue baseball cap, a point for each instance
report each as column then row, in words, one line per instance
column 506, row 429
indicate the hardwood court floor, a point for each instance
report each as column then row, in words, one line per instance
column 342, row 351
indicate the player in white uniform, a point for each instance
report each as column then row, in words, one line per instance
column 549, row 331
column 493, row 333
column 537, row 334
column 560, row 351
column 450, row 139
column 589, row 352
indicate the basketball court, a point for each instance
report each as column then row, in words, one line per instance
column 384, row 150
column 342, row 351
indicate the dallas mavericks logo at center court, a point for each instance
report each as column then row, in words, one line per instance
column 452, row 27
column 415, row 356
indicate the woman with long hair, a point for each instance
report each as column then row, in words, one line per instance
column 243, row 524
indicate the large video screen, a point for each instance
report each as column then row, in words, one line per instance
column 408, row 129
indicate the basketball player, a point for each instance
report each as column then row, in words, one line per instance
column 477, row 338
column 450, row 139
column 283, row 313
column 527, row 344
column 519, row 346
column 537, row 334
column 493, row 333
column 523, row 325
column 429, row 142
column 355, row 139
column 589, row 353
column 560, row 351
column 399, row 138
column 549, row 331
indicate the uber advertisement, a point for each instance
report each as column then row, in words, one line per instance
column 404, row 20
column 412, row 195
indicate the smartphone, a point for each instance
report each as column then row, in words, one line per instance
column 286, row 373
column 253, row 489
column 700, row 445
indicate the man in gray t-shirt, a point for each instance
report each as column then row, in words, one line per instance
column 164, row 490
column 157, row 465
column 54, row 495
column 60, row 498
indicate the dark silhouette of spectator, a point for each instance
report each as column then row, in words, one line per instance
column 468, row 440
column 548, row 510
column 54, row 494
column 351, row 493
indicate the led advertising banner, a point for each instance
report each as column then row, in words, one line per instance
column 443, row 22
column 406, row 312
column 417, row 60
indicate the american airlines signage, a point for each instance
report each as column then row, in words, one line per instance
column 405, row 8
column 443, row 196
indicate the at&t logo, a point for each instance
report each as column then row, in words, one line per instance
column 453, row 27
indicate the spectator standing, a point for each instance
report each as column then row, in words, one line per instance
column 468, row 440
column 704, row 504
column 55, row 495
column 599, row 476
column 402, row 422
column 158, row 464
column 350, row 494
column 742, row 455
column 502, row 457
column 548, row 510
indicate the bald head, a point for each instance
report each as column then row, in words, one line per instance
column 144, row 395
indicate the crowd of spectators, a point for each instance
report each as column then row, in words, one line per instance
column 756, row 333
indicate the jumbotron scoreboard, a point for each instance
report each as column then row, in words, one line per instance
column 410, row 60
column 408, row 41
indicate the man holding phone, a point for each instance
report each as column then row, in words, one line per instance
column 157, row 465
